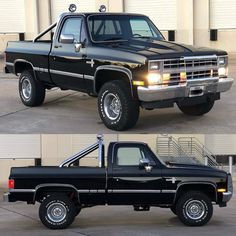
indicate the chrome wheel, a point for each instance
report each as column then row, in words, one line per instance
column 195, row 209
column 26, row 88
column 56, row 212
column 112, row 106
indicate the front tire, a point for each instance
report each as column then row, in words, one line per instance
column 57, row 212
column 197, row 110
column 32, row 91
column 194, row 209
column 117, row 109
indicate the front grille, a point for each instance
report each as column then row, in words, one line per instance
column 195, row 68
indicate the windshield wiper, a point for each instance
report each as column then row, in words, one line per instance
column 115, row 38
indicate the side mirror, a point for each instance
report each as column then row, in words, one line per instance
column 67, row 38
column 145, row 164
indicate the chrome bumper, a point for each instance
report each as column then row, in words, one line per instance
column 227, row 196
column 207, row 85
column 6, row 197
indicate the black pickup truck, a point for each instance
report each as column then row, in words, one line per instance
column 125, row 61
column 133, row 175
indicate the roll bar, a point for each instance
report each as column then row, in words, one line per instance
column 44, row 32
column 85, row 152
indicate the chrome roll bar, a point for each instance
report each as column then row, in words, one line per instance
column 85, row 152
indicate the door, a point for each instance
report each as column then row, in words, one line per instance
column 130, row 183
column 67, row 63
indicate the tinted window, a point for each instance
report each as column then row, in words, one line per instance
column 129, row 156
column 72, row 26
column 121, row 27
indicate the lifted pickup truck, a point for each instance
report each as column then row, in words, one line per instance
column 125, row 61
column 134, row 176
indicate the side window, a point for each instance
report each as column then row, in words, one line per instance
column 129, row 156
column 72, row 26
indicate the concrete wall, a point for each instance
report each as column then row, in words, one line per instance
column 4, row 38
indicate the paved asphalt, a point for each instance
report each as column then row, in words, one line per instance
column 74, row 112
column 21, row 219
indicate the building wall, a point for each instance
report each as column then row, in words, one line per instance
column 192, row 26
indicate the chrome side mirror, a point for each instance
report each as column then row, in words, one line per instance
column 67, row 38
column 78, row 46
column 145, row 164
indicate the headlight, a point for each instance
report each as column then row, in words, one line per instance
column 223, row 61
column 154, row 65
column 154, row 78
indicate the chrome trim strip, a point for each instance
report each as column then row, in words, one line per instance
column 9, row 64
column 168, row 191
column 58, row 72
column 88, row 77
column 22, row 190
column 134, row 191
column 91, row 191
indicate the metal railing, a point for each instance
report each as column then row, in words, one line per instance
column 194, row 148
column 169, row 150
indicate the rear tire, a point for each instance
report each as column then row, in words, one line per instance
column 194, row 209
column 32, row 91
column 197, row 110
column 117, row 109
column 57, row 212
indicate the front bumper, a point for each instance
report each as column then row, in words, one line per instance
column 227, row 196
column 204, row 86
column 6, row 197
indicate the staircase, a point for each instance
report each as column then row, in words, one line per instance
column 194, row 148
column 185, row 150
column 169, row 150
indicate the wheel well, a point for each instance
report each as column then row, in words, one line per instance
column 21, row 66
column 43, row 192
column 104, row 76
column 207, row 189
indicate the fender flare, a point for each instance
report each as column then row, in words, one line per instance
column 195, row 182
column 26, row 62
column 121, row 69
column 41, row 186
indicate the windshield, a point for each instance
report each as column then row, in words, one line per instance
column 121, row 27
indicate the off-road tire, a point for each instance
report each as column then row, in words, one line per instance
column 36, row 95
column 184, row 204
column 129, row 111
column 65, row 203
column 197, row 110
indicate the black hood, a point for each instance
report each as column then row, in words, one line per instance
column 153, row 49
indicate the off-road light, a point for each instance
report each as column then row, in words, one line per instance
column 154, row 65
column 102, row 8
column 72, row 8
column 138, row 83
column 154, row 78
column 222, row 72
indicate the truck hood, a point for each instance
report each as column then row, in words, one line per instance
column 158, row 49
column 194, row 167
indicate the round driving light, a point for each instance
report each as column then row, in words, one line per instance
column 72, row 8
column 102, row 8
